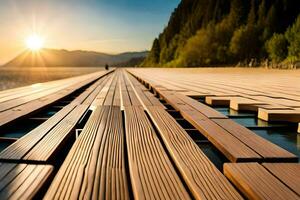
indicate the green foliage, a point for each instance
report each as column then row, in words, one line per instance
column 245, row 44
column 154, row 55
column 198, row 50
column 213, row 32
column 238, row 45
column 293, row 37
column 277, row 47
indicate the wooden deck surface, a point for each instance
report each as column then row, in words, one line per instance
column 115, row 136
column 273, row 93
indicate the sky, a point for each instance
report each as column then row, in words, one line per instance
column 110, row 26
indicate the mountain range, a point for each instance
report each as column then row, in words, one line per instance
column 65, row 58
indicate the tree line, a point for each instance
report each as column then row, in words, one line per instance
column 227, row 32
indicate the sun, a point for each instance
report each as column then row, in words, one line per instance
column 34, row 42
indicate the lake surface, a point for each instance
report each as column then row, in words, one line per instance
column 17, row 77
column 283, row 134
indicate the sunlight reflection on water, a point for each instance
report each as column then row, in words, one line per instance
column 16, row 77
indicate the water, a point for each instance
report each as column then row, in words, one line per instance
column 11, row 77
column 4, row 144
column 18, row 130
column 213, row 154
column 283, row 134
column 287, row 139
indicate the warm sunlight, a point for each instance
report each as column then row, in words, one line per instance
column 34, row 42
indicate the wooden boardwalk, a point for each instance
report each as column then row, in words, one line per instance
column 115, row 135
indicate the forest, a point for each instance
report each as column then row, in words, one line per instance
column 229, row 32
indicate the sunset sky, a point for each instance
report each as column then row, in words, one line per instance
column 111, row 26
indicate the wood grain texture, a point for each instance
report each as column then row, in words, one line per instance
column 288, row 173
column 204, row 180
column 21, row 147
column 204, row 109
column 230, row 146
column 54, row 140
column 255, row 182
column 146, row 98
column 266, row 149
column 151, row 172
column 95, row 166
column 290, row 115
column 235, row 142
column 242, row 89
column 25, row 108
column 22, row 181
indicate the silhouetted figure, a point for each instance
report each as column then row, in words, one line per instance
column 106, row 67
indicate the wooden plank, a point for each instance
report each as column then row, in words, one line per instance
column 52, row 142
column 202, row 177
column 125, row 99
column 88, row 96
column 217, row 100
column 28, row 90
column 255, row 182
column 111, row 92
column 274, row 107
column 230, row 146
column 100, row 98
column 151, row 172
column 145, row 97
column 117, row 95
column 20, row 148
column 241, row 103
column 25, row 109
column 279, row 115
column 130, row 92
column 47, row 91
column 195, row 94
column 95, row 166
column 272, row 89
column 279, row 100
column 204, row 109
column 16, row 93
column 266, row 149
column 22, row 181
column 288, row 173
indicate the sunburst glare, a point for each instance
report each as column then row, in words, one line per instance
column 34, row 42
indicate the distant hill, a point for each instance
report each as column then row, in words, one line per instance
column 78, row 58
column 218, row 32
column 133, row 62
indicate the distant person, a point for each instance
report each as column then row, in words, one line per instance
column 106, row 67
